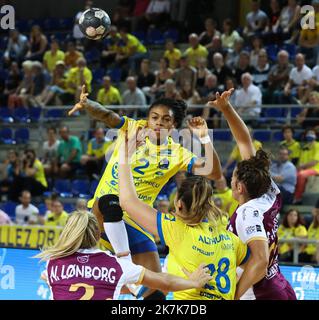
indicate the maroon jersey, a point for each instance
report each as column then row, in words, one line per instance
column 90, row 274
column 258, row 219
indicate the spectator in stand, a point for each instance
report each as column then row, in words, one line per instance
column 256, row 20
column 10, row 169
column 284, row 173
column 77, row 77
column 52, row 56
column 13, row 81
column 146, row 79
column 230, row 35
column 205, row 38
column 257, row 46
column 224, row 193
column 288, row 20
column 111, row 49
column 195, row 51
column 310, row 251
column 19, row 98
column 81, row 205
column 308, row 164
column 202, row 73
column 273, row 21
column 17, row 47
column 157, row 13
column 71, row 55
column 298, row 78
column 243, row 66
column 37, row 44
column 50, row 153
column 57, row 217
column 249, row 98
column 69, row 153
column 291, row 144
column 215, row 47
column 94, row 158
column 185, row 73
column 309, row 117
column 122, row 11
column 26, row 213
column 57, row 86
column 232, row 57
column 231, row 84
column 171, row 91
column 210, row 88
column 279, row 76
column 261, row 74
column 235, row 156
column 191, row 97
column 133, row 96
column 131, row 50
column 161, row 76
column 292, row 226
column 108, row 95
column 4, row 219
column 172, row 54
column 308, row 44
column 220, row 70
column 139, row 11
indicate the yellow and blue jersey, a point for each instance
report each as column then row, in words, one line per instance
column 152, row 167
column 189, row 246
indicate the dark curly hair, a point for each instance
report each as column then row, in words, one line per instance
column 254, row 173
column 178, row 108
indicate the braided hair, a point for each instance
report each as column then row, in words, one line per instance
column 178, row 108
column 254, row 173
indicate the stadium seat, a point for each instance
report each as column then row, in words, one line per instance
column 51, row 24
column 63, row 188
column 66, row 23
column 93, row 187
column 92, row 56
column 115, row 74
column 291, row 48
column 155, row 37
column 34, row 114
column 53, row 114
column 22, row 135
column 295, row 111
column 272, row 51
column 278, row 136
column 275, row 114
column 262, row 136
column 42, row 209
column 80, row 188
column 6, row 136
column 6, row 115
column 171, row 34
column 98, row 75
column 21, row 115
column 68, row 207
column 140, row 35
column 222, row 135
column 9, row 208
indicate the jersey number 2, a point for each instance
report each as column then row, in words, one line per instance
column 145, row 166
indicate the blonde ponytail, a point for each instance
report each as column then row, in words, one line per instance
column 80, row 232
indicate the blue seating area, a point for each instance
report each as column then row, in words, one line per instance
column 20, row 115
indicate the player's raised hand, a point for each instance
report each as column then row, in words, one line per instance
column 200, row 276
column 83, row 100
column 198, row 126
column 221, row 102
column 131, row 144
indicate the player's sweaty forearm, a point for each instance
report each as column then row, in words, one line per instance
column 99, row 112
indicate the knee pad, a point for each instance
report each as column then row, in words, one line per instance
column 109, row 206
column 156, row 295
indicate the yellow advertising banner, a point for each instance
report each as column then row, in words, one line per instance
column 28, row 237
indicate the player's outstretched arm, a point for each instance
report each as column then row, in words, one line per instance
column 167, row 282
column 96, row 111
column 139, row 211
column 236, row 124
column 209, row 167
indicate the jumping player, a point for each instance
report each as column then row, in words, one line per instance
column 256, row 219
column 77, row 270
column 194, row 234
column 159, row 159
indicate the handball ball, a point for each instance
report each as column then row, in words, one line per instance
column 95, row 23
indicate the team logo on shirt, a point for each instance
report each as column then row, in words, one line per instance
column 256, row 213
column 159, row 173
column 163, row 164
column 251, row 229
column 258, row 228
column 169, row 217
column 83, row 259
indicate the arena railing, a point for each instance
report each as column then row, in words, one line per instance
column 297, row 242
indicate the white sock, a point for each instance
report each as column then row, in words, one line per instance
column 117, row 235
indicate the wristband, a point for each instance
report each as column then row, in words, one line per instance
column 205, row 140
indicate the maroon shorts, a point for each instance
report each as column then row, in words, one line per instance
column 277, row 288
